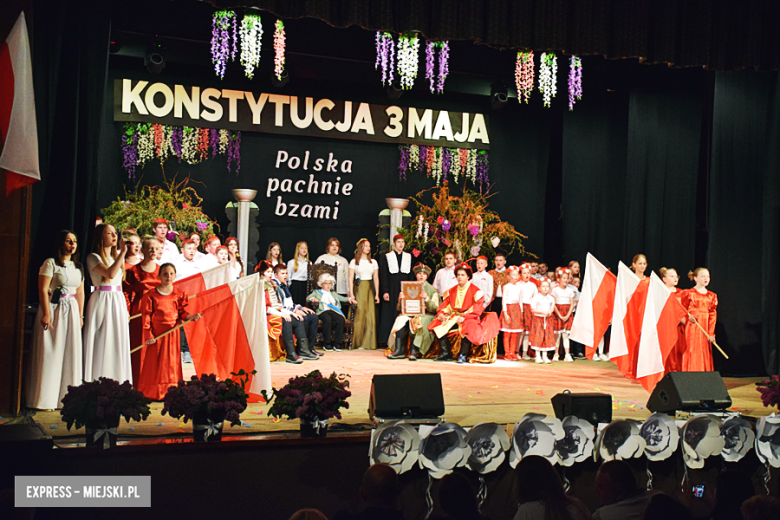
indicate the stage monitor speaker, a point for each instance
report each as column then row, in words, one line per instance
column 594, row 408
column 689, row 391
column 406, row 396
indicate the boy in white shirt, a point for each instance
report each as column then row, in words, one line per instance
column 445, row 277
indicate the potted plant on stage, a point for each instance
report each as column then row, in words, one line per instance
column 313, row 399
column 100, row 405
column 208, row 403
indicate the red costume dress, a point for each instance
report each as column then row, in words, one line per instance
column 542, row 328
column 161, row 366
column 137, row 283
column 697, row 356
column 674, row 359
column 468, row 302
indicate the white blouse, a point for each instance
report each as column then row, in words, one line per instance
column 94, row 260
column 528, row 290
column 300, row 275
column 365, row 270
column 563, row 296
column 68, row 277
column 512, row 294
column 341, row 272
column 542, row 304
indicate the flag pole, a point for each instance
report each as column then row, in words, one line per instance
column 694, row 320
column 177, row 327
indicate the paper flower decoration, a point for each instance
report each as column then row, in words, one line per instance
column 768, row 440
column 619, row 440
column 739, row 438
column 445, row 225
column 489, row 444
column 444, row 449
column 577, row 442
column 660, row 433
column 396, row 444
column 535, row 434
column 495, row 241
column 700, row 438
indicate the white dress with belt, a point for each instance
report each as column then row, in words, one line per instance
column 106, row 329
column 55, row 354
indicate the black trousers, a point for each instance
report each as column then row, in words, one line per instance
column 305, row 328
column 331, row 320
column 495, row 306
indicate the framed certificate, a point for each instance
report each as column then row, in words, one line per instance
column 413, row 303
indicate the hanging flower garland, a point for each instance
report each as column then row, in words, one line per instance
column 471, row 166
column 279, row 44
column 548, row 76
column 439, row 163
column 444, row 65
column 403, row 164
column 575, row 81
column 414, row 157
column 455, row 164
column 524, row 75
column 408, row 48
column 222, row 23
column 234, row 148
column 251, row 43
column 129, row 152
column 430, row 62
column 437, row 85
column 385, row 56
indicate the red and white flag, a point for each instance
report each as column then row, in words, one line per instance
column 627, row 314
column 659, row 333
column 205, row 280
column 18, row 129
column 595, row 308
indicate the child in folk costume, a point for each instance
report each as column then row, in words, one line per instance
column 674, row 360
column 564, row 295
column 527, row 290
column 702, row 308
column 543, row 324
column 161, row 309
column 512, row 315
column 139, row 280
column 329, row 312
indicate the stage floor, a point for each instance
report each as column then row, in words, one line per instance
column 501, row 392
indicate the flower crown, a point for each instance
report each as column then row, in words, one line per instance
column 513, row 268
column 564, row 270
column 525, row 265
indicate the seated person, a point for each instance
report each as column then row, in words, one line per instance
column 299, row 312
column 619, row 494
column 423, row 338
column 329, row 311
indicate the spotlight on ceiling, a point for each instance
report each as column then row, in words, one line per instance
column 276, row 82
column 498, row 96
column 394, row 90
column 154, row 59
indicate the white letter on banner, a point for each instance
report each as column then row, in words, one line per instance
column 394, row 128
column 321, row 123
column 464, row 129
column 256, row 106
column 343, row 126
column 192, row 104
column 443, row 127
column 478, row 130
column 132, row 96
column 418, row 125
column 233, row 96
column 208, row 99
column 163, row 89
column 298, row 122
column 363, row 120
column 279, row 101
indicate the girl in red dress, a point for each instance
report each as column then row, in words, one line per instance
column 564, row 295
column 673, row 362
column 542, row 325
column 702, row 307
column 528, row 290
column 161, row 309
column 512, row 315
column 139, row 280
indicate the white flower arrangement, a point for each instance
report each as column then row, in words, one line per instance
column 224, row 140
column 408, row 49
column 700, row 439
column 471, row 166
column 489, row 444
column 620, row 440
column 425, row 233
column 738, row 437
column 251, row 43
column 396, row 444
column 145, row 147
column 661, row 436
column 535, row 434
column 577, row 442
column 548, row 76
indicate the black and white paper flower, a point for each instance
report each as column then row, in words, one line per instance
column 489, row 444
column 768, row 440
column 444, row 449
column 738, row 436
column 661, row 436
column 535, row 434
column 397, row 444
column 577, row 442
column 700, row 438
column 619, row 440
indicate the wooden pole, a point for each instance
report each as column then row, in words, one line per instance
column 177, row 327
column 694, row 320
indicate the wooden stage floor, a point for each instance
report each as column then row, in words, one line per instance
column 501, row 392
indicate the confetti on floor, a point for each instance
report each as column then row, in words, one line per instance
column 493, row 387
column 160, row 424
column 182, row 425
column 277, row 419
column 131, row 428
column 54, row 426
column 536, row 407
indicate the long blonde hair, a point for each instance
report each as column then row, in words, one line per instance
column 100, row 250
column 295, row 261
column 268, row 254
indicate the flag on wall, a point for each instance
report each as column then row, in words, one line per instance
column 18, row 129
column 595, row 308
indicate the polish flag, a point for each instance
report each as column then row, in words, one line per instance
column 630, row 298
column 595, row 308
column 18, row 129
column 205, row 280
column 663, row 313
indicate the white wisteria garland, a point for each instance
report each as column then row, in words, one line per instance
column 408, row 49
column 251, row 43
column 548, row 76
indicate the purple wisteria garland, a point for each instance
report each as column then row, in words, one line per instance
column 130, row 151
column 234, row 151
column 385, row 56
column 437, row 86
column 441, row 163
column 221, row 49
column 575, row 81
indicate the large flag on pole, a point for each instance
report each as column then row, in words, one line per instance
column 18, row 129
column 663, row 313
column 595, row 308
column 630, row 297
column 205, row 280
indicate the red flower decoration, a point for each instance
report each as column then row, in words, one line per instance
column 416, row 252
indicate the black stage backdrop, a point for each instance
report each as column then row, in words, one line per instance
column 626, row 172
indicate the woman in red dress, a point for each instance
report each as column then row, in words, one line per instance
column 161, row 309
column 702, row 308
column 139, row 280
column 674, row 361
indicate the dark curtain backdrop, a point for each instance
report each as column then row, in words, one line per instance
column 770, row 238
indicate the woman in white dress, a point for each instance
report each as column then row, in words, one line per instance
column 55, row 354
column 236, row 263
column 107, row 333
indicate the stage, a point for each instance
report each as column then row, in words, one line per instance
column 501, row 392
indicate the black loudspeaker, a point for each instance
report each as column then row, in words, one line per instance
column 594, row 408
column 406, row 396
column 690, row 391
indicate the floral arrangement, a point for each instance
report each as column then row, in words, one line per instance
column 142, row 142
column 440, row 163
column 310, row 397
column 770, row 391
column 251, row 43
column 548, row 77
column 462, row 224
column 575, row 81
column 177, row 203
column 221, row 24
column 437, row 86
column 524, row 75
column 102, row 404
column 206, row 398
column 408, row 48
column 385, row 56
column 279, row 44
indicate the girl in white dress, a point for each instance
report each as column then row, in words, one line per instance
column 55, row 354
column 107, row 333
